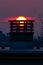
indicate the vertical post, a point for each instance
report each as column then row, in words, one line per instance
column 31, row 26
column 11, row 30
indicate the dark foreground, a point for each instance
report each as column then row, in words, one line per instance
column 21, row 59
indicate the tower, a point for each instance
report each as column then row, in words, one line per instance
column 21, row 30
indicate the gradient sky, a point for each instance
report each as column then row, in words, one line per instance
column 9, row 8
column 12, row 8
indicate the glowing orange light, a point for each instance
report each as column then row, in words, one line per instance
column 21, row 18
column 21, row 23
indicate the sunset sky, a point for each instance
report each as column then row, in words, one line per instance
column 13, row 8
column 9, row 8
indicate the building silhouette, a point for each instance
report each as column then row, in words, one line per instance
column 21, row 30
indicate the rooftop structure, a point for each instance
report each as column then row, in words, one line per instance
column 21, row 29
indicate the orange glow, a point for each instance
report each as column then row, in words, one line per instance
column 21, row 23
column 21, row 18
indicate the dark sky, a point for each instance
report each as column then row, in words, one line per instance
column 9, row 8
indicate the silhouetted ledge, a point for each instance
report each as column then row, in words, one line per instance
column 21, row 56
